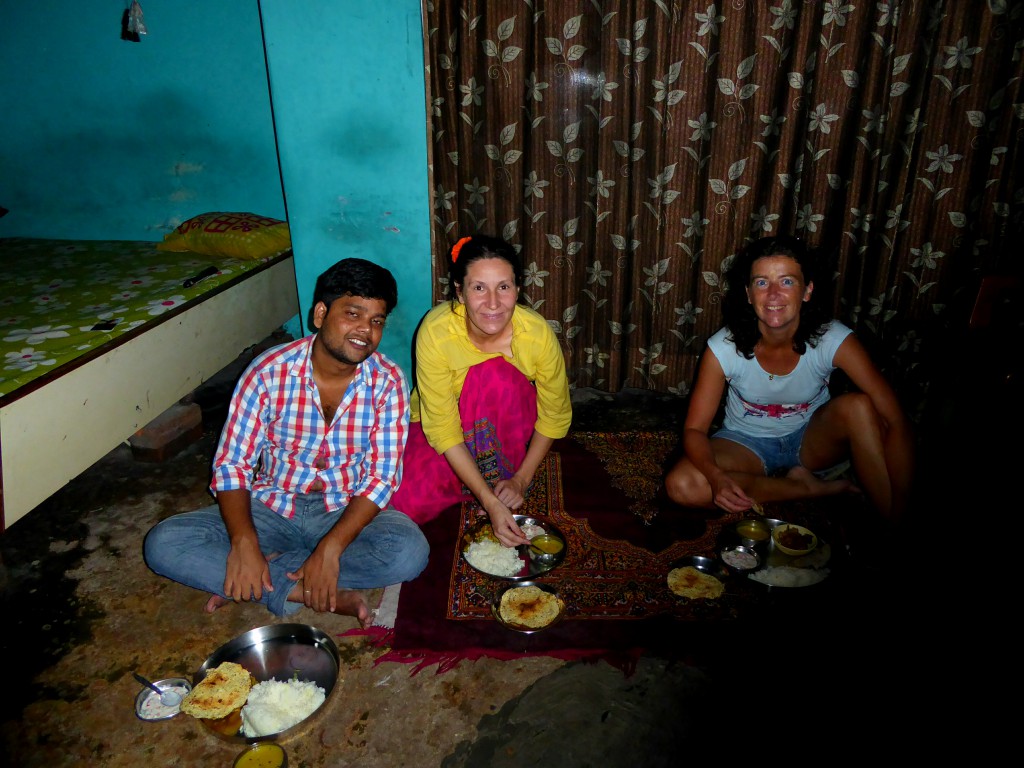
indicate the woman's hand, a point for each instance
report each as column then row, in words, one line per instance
column 510, row 492
column 728, row 494
column 504, row 524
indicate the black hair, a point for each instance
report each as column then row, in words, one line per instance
column 739, row 314
column 355, row 277
column 476, row 247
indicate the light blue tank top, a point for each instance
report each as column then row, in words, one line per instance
column 767, row 405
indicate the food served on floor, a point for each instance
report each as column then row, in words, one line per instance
column 224, row 689
column 274, row 706
column 788, row 576
column 491, row 557
column 265, row 754
column 755, row 530
column 219, row 697
column 151, row 708
column 546, row 544
column 529, row 606
column 740, row 558
column 692, row 583
column 792, row 538
column 531, row 531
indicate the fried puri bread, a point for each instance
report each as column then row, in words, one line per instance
column 224, row 690
column 692, row 583
column 530, row 607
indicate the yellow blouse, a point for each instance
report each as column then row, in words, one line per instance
column 444, row 354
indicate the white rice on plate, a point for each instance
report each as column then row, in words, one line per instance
column 787, row 576
column 493, row 558
column 274, row 706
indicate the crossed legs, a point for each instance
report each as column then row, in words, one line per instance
column 847, row 427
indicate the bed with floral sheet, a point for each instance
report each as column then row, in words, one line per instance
column 97, row 338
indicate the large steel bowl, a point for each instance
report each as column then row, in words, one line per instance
column 279, row 652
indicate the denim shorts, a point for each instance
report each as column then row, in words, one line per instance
column 776, row 453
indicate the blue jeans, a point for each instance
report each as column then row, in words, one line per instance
column 192, row 549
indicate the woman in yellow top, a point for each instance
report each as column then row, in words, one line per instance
column 490, row 393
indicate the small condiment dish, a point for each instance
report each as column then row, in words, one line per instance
column 754, row 530
column 263, row 754
column 740, row 558
column 148, row 705
column 794, row 540
column 545, row 549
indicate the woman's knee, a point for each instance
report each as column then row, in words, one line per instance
column 686, row 486
column 859, row 413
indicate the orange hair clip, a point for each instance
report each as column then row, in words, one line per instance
column 458, row 247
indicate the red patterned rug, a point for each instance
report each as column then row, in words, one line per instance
column 604, row 492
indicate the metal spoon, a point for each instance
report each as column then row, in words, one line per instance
column 167, row 698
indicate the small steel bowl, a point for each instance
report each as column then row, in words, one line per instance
column 753, row 531
column 147, row 702
column 741, row 558
column 262, row 754
column 547, row 549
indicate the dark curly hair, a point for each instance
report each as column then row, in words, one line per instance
column 355, row 277
column 476, row 247
column 738, row 313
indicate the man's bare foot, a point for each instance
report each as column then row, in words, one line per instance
column 215, row 602
column 818, row 487
column 351, row 603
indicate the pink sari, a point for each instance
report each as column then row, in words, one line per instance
column 498, row 410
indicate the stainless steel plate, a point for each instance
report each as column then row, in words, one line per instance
column 280, row 652
column 533, row 566
column 708, row 565
column 496, row 607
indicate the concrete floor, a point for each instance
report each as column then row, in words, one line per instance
column 82, row 612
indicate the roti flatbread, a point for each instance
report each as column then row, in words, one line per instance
column 224, row 690
column 693, row 583
column 529, row 607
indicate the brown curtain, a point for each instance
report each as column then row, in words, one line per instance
column 631, row 148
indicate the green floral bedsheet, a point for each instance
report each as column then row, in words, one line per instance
column 61, row 299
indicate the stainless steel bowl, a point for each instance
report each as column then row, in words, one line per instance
column 147, row 702
column 280, row 652
column 753, row 531
column 741, row 558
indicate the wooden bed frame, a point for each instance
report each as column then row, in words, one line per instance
column 54, row 429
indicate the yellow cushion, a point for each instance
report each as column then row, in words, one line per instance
column 238, row 235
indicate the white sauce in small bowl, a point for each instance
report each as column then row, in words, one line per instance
column 150, row 707
column 740, row 559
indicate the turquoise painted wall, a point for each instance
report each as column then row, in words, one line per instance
column 103, row 138
column 347, row 83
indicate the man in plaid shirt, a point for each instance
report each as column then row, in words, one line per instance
column 307, row 462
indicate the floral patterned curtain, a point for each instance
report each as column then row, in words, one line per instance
column 631, row 148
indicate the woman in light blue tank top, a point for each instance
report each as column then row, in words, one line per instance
column 783, row 430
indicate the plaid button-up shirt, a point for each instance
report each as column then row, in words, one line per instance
column 277, row 443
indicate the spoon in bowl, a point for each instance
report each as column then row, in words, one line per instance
column 167, row 698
